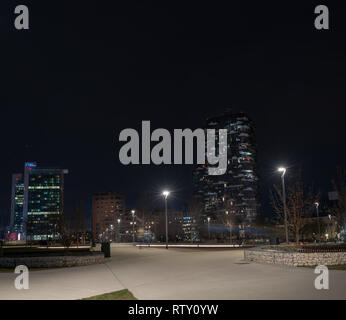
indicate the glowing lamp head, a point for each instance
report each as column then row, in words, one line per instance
column 165, row 193
column 317, row 204
column 283, row 170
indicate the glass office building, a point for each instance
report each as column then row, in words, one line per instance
column 43, row 201
column 17, row 199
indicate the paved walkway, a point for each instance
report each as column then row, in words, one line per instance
column 156, row 273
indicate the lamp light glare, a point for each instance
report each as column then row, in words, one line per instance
column 165, row 193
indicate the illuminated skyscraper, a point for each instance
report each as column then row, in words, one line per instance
column 234, row 193
column 43, row 201
column 17, row 198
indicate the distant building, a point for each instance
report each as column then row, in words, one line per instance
column 190, row 231
column 157, row 225
column 236, row 192
column 129, row 226
column 108, row 211
column 17, row 199
column 147, row 224
column 43, row 201
column 4, row 225
column 151, row 225
column 328, row 228
column 333, row 196
column 37, row 202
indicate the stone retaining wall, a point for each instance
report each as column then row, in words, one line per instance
column 52, row 262
column 295, row 259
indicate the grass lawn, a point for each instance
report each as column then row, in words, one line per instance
column 337, row 267
column 116, row 295
column 7, row 270
column 330, row 267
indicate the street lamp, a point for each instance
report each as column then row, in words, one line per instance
column 230, row 228
column 318, row 221
column 208, row 227
column 133, row 225
column 112, row 235
column 283, row 170
column 166, row 194
column 119, row 228
column 330, row 226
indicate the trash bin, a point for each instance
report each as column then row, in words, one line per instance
column 274, row 241
column 106, row 249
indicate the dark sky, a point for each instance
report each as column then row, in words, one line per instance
column 87, row 70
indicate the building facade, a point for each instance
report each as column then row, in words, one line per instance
column 37, row 202
column 129, row 226
column 190, row 231
column 17, row 199
column 43, row 201
column 108, row 212
column 235, row 193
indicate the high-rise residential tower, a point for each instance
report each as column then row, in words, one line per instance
column 236, row 192
column 108, row 210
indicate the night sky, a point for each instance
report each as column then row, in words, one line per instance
column 87, row 70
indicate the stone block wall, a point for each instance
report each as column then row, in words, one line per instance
column 52, row 262
column 295, row 259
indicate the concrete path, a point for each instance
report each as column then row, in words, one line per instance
column 156, row 273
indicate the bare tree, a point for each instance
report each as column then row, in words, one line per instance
column 230, row 218
column 339, row 185
column 146, row 208
column 299, row 204
column 78, row 220
column 65, row 232
column 195, row 210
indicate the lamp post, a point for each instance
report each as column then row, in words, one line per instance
column 112, row 233
column 230, row 229
column 119, row 229
column 318, row 221
column 208, row 227
column 166, row 194
column 133, row 225
column 283, row 170
column 330, row 226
